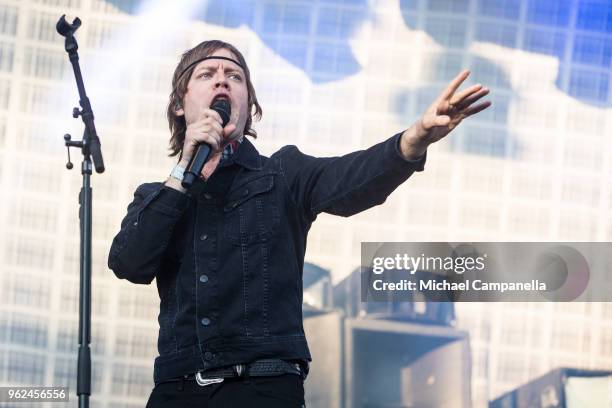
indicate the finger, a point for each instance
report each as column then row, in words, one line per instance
column 477, row 108
column 209, row 113
column 471, row 99
column 209, row 126
column 460, row 96
column 454, row 85
column 200, row 134
column 211, row 138
column 215, row 127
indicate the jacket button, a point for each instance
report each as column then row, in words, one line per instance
column 205, row 321
column 203, row 278
column 203, row 237
column 208, row 356
column 207, row 196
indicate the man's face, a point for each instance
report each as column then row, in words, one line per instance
column 212, row 79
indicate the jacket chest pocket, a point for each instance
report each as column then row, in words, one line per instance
column 251, row 213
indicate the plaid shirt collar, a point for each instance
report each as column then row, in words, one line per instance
column 230, row 149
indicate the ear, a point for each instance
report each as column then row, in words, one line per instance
column 178, row 110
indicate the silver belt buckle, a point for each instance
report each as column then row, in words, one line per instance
column 206, row 381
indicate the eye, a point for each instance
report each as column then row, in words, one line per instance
column 236, row 77
column 204, row 74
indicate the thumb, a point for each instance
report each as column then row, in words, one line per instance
column 228, row 130
column 443, row 120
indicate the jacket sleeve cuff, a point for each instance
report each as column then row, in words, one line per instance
column 415, row 164
column 170, row 201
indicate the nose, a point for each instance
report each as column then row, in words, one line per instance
column 221, row 82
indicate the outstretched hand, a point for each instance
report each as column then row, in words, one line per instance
column 443, row 115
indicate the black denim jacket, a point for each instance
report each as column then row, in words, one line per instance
column 228, row 255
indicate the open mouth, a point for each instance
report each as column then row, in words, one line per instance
column 220, row 97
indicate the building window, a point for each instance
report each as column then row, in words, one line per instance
column 34, row 215
column 60, row 3
column 2, row 135
column 103, row 34
column 136, row 342
column 67, row 340
column 144, row 343
column 439, row 68
column 489, row 74
column 111, row 7
column 296, row 19
column 451, row 6
column 606, row 341
column 7, row 51
column 26, row 368
column 41, row 100
column 547, row 12
column 105, row 223
column 448, row 32
column 138, row 304
column 511, row 367
column 156, row 78
column 28, row 251
column 589, row 84
column 528, row 220
column 33, row 136
column 26, row 290
column 5, row 93
column 483, row 140
column 334, row 22
column 231, row 13
column 594, row 15
column 578, row 225
column 507, row 9
column 28, row 331
column 586, row 153
column 65, row 370
column 68, row 337
column 8, row 20
column 531, row 182
column 41, row 27
column 43, row 63
column 38, row 177
column 592, row 50
column 69, row 299
column 130, row 380
column 545, row 41
column 477, row 214
column 502, row 34
column 151, row 114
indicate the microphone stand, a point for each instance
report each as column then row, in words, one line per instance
column 90, row 147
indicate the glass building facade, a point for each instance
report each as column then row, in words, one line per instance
column 332, row 77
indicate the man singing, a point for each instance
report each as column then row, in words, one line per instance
column 228, row 253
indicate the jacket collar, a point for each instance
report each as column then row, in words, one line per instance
column 247, row 156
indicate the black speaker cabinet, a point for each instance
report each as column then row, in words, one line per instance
column 561, row 388
column 366, row 363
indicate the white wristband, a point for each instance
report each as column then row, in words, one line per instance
column 178, row 172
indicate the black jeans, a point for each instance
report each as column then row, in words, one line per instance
column 283, row 391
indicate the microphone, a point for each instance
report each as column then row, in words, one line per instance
column 199, row 159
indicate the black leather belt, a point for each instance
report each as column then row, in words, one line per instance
column 258, row 368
